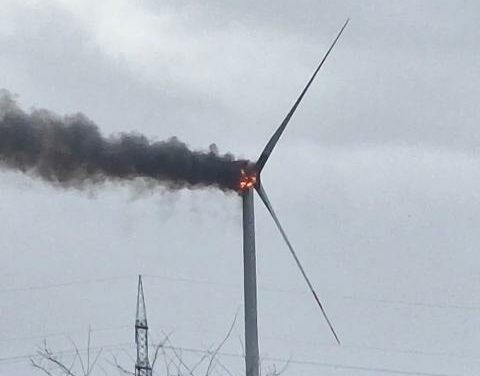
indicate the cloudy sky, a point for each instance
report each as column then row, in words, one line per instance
column 376, row 181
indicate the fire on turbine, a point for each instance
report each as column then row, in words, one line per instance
column 247, row 180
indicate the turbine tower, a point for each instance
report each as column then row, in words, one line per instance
column 250, row 180
column 142, row 365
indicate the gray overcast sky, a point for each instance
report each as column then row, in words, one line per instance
column 376, row 179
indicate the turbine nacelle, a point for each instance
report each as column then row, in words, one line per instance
column 249, row 177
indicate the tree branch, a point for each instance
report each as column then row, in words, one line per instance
column 221, row 344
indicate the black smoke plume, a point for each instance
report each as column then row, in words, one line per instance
column 70, row 151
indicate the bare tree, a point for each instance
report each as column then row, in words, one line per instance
column 52, row 364
column 272, row 369
column 174, row 362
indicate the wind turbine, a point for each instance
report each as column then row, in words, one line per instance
column 250, row 181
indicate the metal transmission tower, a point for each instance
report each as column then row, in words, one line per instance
column 142, row 366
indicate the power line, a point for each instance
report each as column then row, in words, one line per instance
column 313, row 363
column 64, row 284
column 311, row 344
column 410, row 303
column 64, row 334
column 196, row 282
column 367, row 348
column 238, row 287
column 216, row 284
column 297, row 292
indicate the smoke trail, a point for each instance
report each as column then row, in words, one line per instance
column 70, row 151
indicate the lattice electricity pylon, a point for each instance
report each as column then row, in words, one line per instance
column 142, row 366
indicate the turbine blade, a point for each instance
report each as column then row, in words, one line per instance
column 263, row 195
column 276, row 136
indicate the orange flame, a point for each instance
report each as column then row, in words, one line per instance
column 247, row 181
